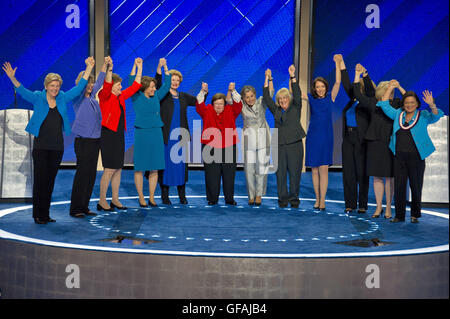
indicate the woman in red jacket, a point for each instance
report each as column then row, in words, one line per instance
column 112, row 140
column 219, row 139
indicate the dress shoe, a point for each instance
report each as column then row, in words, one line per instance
column 40, row 221
column 316, row 207
column 152, row 204
column 322, row 209
column 90, row 213
column 414, row 220
column 378, row 215
column 397, row 220
column 362, row 211
column 348, row 210
column 100, row 208
column 50, row 220
column 77, row 215
column 258, row 200
column 166, row 201
column 115, row 206
column 251, row 202
column 210, row 203
column 183, row 201
column 282, row 205
column 295, row 205
column 233, row 203
column 143, row 205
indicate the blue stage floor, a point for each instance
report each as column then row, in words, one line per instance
column 201, row 230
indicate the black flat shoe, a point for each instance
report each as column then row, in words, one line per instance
column 166, row 201
column 115, row 206
column 90, row 213
column 100, row 208
column 396, row 220
column 233, row 203
column 51, row 220
column 40, row 221
column 183, row 201
column 212, row 203
column 152, row 204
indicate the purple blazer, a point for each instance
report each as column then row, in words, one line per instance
column 88, row 117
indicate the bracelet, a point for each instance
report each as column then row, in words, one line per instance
column 270, row 79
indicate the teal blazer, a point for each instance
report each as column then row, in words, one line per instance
column 419, row 131
column 40, row 105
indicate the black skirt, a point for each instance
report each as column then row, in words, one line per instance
column 380, row 160
column 112, row 146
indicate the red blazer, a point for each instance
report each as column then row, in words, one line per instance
column 224, row 122
column 110, row 107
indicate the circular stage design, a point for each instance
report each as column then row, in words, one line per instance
column 197, row 229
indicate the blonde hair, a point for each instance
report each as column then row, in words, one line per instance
column 52, row 77
column 80, row 75
column 381, row 88
column 177, row 73
column 282, row 93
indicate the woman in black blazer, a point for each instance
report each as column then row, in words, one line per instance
column 380, row 161
column 355, row 121
column 179, row 101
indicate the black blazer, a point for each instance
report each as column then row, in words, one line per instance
column 167, row 107
column 288, row 122
column 380, row 126
column 362, row 114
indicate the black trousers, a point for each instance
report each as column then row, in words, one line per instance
column 86, row 150
column 223, row 167
column 354, row 176
column 45, row 167
column 408, row 166
column 290, row 162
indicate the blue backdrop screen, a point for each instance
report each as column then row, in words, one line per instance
column 36, row 39
column 410, row 45
column 216, row 42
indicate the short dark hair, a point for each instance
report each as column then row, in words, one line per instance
column 408, row 94
column 218, row 96
column 313, row 86
column 145, row 82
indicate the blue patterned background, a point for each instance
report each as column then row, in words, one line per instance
column 411, row 46
column 36, row 40
column 207, row 41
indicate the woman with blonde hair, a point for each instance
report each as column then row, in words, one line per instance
column 287, row 112
column 380, row 161
column 47, row 124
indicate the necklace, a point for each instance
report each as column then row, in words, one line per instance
column 407, row 127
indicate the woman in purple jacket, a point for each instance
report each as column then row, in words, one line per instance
column 87, row 128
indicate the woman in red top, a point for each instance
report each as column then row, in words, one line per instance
column 112, row 141
column 219, row 139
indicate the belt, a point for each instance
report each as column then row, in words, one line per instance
column 351, row 129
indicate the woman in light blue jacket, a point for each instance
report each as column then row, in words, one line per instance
column 410, row 144
column 47, row 124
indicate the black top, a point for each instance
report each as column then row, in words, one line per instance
column 51, row 132
column 405, row 142
column 167, row 107
column 362, row 113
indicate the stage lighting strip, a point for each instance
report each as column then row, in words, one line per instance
column 96, row 222
column 425, row 250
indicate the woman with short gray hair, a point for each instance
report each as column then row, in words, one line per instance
column 256, row 142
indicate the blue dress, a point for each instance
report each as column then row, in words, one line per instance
column 319, row 139
column 174, row 174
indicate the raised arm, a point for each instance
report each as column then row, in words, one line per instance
column 267, row 99
column 296, row 92
column 200, row 105
column 136, row 85
column 384, row 103
column 362, row 98
column 100, row 79
column 427, row 97
column 337, row 84
column 24, row 92
column 346, row 83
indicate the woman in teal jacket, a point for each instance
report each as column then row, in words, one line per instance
column 148, row 152
column 410, row 144
column 47, row 124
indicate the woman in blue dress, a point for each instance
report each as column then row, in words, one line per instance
column 319, row 140
column 148, row 139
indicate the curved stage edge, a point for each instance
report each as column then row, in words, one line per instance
column 31, row 268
